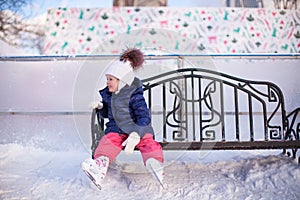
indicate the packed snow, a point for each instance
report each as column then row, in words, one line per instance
column 40, row 158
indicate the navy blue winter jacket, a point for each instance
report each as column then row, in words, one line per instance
column 126, row 111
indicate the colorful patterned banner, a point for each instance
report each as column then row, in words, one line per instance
column 180, row 30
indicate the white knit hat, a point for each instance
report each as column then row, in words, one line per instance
column 122, row 71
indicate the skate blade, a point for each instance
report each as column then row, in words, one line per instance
column 92, row 179
column 156, row 177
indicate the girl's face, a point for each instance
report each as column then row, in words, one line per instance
column 112, row 83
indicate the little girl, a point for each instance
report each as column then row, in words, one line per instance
column 129, row 121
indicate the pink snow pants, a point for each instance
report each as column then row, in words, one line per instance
column 110, row 145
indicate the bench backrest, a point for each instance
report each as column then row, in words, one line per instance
column 193, row 104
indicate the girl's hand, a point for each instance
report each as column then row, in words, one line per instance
column 130, row 143
column 95, row 104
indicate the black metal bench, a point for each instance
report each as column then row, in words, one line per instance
column 200, row 109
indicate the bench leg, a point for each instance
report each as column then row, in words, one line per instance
column 294, row 151
column 293, row 154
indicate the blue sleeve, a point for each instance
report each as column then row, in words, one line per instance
column 104, row 110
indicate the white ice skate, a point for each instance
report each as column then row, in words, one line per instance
column 96, row 169
column 156, row 169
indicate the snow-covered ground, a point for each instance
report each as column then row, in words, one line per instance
column 40, row 158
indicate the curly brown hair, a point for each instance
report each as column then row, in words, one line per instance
column 134, row 56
